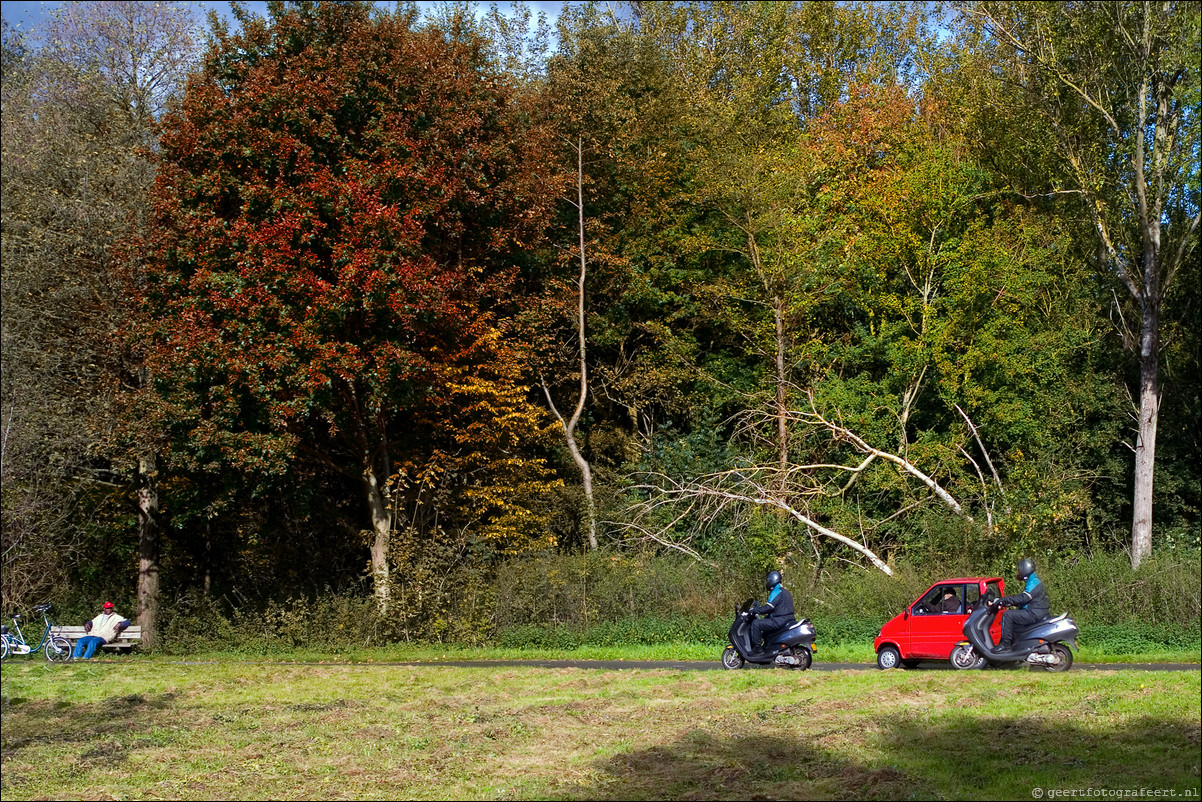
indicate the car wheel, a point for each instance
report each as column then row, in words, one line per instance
column 888, row 657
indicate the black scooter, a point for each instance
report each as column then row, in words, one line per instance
column 1044, row 644
column 791, row 647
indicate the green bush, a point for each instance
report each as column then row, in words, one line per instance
column 557, row 601
column 1133, row 637
column 193, row 622
column 595, row 599
column 642, row 631
column 582, row 589
column 1104, row 589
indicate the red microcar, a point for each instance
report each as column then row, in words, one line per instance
column 931, row 627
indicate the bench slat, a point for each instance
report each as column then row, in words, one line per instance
column 128, row 638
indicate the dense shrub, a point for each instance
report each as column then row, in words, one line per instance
column 195, row 623
column 556, row 601
column 583, row 589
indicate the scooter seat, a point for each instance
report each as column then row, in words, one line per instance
column 1060, row 617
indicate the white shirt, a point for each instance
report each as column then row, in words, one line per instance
column 105, row 626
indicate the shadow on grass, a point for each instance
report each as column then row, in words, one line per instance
column 905, row 757
column 110, row 729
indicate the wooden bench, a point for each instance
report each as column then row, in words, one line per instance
column 125, row 641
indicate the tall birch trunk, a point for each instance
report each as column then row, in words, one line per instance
column 1139, row 92
column 1145, row 444
column 569, row 426
column 782, row 401
column 381, row 523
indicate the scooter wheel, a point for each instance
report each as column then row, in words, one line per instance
column 1064, row 658
column 731, row 659
column 803, row 655
column 964, row 658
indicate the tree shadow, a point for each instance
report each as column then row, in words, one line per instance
column 111, row 728
column 1014, row 756
column 907, row 756
column 712, row 765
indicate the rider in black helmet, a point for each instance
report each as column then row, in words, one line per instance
column 1032, row 603
column 778, row 610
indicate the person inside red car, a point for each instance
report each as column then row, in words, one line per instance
column 1032, row 604
column 950, row 603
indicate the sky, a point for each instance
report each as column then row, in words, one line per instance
column 25, row 14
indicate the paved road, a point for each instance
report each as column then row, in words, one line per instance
column 681, row 665
column 669, row 665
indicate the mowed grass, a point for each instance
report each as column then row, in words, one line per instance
column 151, row 729
column 828, row 652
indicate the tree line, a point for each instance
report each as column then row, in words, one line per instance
column 358, row 299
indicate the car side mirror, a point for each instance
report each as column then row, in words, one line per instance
column 906, row 614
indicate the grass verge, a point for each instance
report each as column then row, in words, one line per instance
column 702, row 652
column 142, row 729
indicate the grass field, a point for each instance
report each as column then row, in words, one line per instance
column 858, row 652
column 152, row 729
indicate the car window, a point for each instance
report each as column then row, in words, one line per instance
column 926, row 605
column 993, row 590
column 933, row 602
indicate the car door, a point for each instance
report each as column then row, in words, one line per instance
column 933, row 632
column 996, row 589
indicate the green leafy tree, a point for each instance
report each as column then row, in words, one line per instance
column 1117, row 85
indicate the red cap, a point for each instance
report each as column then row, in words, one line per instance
column 108, row 605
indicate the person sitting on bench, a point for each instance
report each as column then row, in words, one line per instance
column 102, row 629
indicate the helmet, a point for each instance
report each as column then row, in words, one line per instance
column 108, row 605
column 772, row 580
column 1026, row 567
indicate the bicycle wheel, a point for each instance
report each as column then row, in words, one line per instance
column 58, row 650
column 5, row 656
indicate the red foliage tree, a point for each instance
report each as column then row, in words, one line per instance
column 341, row 201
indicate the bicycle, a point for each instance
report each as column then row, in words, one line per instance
column 56, row 647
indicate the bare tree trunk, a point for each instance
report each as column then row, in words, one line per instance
column 780, row 361
column 782, row 382
column 569, row 426
column 208, row 558
column 148, row 548
column 381, row 522
column 1145, row 444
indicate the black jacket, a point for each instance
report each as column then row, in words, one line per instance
column 780, row 608
column 1035, row 599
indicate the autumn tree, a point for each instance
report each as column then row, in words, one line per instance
column 76, row 182
column 341, row 199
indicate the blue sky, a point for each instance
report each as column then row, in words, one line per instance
column 24, row 14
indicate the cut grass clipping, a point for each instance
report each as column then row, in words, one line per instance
column 150, row 730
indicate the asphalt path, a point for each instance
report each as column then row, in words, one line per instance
column 686, row 665
column 689, row 665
